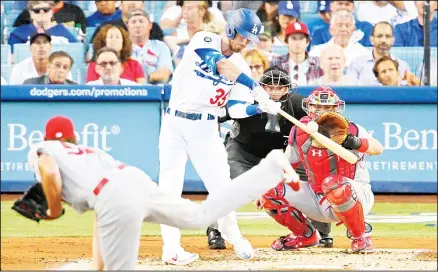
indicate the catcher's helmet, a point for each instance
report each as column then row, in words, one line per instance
column 324, row 96
column 246, row 23
column 277, row 78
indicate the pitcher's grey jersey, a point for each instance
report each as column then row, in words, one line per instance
column 81, row 168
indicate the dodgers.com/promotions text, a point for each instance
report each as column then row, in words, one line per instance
column 88, row 92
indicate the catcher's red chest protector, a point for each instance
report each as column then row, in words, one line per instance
column 319, row 163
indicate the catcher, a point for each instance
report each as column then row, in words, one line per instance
column 124, row 196
column 252, row 138
column 336, row 191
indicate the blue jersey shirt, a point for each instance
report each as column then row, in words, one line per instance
column 411, row 33
column 322, row 35
column 59, row 34
column 98, row 18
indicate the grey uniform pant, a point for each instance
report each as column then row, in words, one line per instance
column 240, row 161
column 131, row 198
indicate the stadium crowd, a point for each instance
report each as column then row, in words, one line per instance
column 136, row 42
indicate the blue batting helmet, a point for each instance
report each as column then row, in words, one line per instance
column 246, row 23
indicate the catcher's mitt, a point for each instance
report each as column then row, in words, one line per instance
column 332, row 125
column 33, row 204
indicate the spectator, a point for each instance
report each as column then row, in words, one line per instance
column 196, row 16
column 172, row 17
column 342, row 29
column 245, row 4
column 4, row 81
column 257, row 61
column 288, row 12
column 433, row 72
column 41, row 14
column 64, row 13
column 109, row 68
column 374, row 12
column 333, row 65
column 118, row 39
column 267, row 12
column 60, row 64
column 387, row 73
column 153, row 55
column 265, row 44
column 406, row 11
column 361, row 69
column 106, row 11
column 304, row 69
column 127, row 7
column 324, row 17
column 363, row 29
column 36, row 65
column 411, row 33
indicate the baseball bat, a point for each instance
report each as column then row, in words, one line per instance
column 323, row 140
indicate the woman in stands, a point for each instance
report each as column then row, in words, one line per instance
column 41, row 14
column 257, row 61
column 268, row 13
column 117, row 38
column 288, row 12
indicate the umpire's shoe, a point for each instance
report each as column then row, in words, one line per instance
column 326, row 240
column 215, row 240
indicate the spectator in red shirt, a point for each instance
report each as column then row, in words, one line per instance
column 117, row 38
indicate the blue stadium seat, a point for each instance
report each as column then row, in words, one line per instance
column 6, row 70
column 155, row 9
column 14, row 5
column 5, row 54
column 79, row 73
column 308, row 6
column 308, row 18
column 9, row 18
column 412, row 55
column 280, row 50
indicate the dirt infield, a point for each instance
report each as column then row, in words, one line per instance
column 394, row 253
column 46, row 253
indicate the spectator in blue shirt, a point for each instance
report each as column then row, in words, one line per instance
column 364, row 29
column 106, row 11
column 411, row 33
column 324, row 17
column 41, row 14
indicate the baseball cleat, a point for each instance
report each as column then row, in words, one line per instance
column 292, row 242
column 243, row 249
column 215, row 240
column 181, row 258
column 326, row 241
column 362, row 245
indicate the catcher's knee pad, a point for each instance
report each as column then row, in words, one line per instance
column 279, row 208
column 342, row 197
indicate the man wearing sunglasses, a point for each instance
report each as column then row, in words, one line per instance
column 41, row 14
column 109, row 68
column 60, row 64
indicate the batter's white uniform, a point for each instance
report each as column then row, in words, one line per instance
column 196, row 90
column 307, row 201
column 131, row 197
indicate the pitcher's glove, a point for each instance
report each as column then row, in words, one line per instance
column 33, row 204
column 332, row 125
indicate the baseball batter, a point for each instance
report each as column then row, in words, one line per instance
column 336, row 190
column 124, row 196
column 211, row 71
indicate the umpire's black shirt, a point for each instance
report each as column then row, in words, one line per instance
column 251, row 133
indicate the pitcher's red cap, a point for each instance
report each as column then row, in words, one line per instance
column 59, row 127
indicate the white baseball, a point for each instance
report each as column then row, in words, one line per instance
column 312, row 126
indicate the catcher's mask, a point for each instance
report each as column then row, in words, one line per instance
column 277, row 84
column 322, row 99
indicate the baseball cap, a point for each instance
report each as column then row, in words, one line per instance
column 297, row 27
column 323, row 6
column 137, row 12
column 289, row 8
column 59, row 127
column 36, row 35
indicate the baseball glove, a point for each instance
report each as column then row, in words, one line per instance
column 33, row 204
column 332, row 125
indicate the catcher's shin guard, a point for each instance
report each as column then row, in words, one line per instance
column 278, row 208
column 341, row 195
